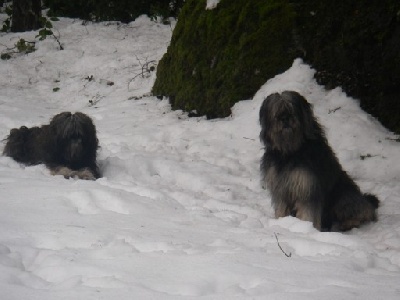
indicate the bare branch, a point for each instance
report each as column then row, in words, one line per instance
column 279, row 245
column 146, row 69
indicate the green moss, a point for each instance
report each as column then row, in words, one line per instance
column 218, row 57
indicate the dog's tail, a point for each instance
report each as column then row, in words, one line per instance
column 355, row 209
column 372, row 199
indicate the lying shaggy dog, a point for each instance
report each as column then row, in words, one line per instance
column 301, row 171
column 67, row 146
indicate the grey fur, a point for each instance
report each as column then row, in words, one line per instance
column 302, row 172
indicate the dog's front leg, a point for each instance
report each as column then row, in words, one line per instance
column 310, row 211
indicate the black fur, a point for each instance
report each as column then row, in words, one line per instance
column 302, row 172
column 67, row 146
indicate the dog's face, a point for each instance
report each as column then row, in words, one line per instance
column 286, row 121
column 75, row 136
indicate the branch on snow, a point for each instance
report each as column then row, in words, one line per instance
column 279, row 245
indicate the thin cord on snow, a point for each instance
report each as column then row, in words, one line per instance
column 279, row 245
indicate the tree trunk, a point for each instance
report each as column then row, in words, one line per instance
column 26, row 15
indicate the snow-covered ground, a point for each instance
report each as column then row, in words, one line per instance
column 180, row 212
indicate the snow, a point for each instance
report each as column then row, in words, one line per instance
column 211, row 4
column 180, row 212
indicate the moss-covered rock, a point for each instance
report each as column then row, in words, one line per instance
column 356, row 45
column 218, row 57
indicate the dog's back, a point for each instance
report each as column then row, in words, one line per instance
column 19, row 145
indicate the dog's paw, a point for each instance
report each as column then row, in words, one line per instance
column 85, row 174
column 349, row 224
column 63, row 171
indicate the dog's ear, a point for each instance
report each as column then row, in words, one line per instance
column 266, row 105
column 263, row 111
column 311, row 128
column 263, row 117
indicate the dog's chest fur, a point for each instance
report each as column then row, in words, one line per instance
column 288, row 182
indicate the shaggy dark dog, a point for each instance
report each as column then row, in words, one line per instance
column 301, row 171
column 67, row 146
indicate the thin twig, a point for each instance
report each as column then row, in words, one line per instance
column 279, row 245
column 7, row 47
column 147, row 68
column 334, row 110
column 58, row 41
column 394, row 139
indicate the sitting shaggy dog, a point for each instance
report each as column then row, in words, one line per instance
column 67, row 146
column 301, row 171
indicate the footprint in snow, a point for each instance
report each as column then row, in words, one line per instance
column 10, row 259
column 92, row 202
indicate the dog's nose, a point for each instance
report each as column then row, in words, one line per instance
column 76, row 141
column 76, row 147
column 285, row 120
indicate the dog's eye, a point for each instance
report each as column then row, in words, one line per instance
column 75, row 137
column 76, row 140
